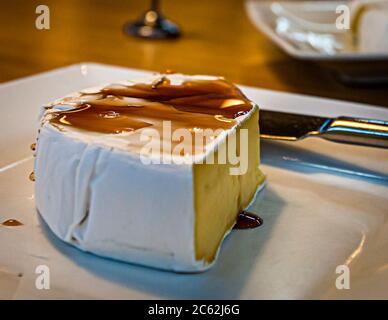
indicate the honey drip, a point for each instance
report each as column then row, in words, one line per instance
column 12, row 223
column 248, row 220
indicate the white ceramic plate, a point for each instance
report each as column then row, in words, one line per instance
column 306, row 30
column 325, row 205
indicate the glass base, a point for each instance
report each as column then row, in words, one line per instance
column 153, row 26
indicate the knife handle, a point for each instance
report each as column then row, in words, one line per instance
column 356, row 131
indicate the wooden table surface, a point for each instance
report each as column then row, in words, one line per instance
column 218, row 39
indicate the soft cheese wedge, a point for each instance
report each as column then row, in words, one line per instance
column 152, row 171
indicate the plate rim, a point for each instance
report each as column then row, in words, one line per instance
column 77, row 67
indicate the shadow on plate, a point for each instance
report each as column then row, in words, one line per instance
column 283, row 155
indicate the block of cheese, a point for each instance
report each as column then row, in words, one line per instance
column 152, row 171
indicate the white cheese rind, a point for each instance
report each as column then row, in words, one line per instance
column 105, row 201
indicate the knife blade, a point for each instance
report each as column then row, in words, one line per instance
column 292, row 127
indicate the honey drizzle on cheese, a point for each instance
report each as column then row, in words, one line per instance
column 126, row 108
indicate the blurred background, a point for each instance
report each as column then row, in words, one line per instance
column 217, row 38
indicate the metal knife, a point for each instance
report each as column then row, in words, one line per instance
column 292, row 127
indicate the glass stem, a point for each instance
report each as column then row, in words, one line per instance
column 155, row 5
